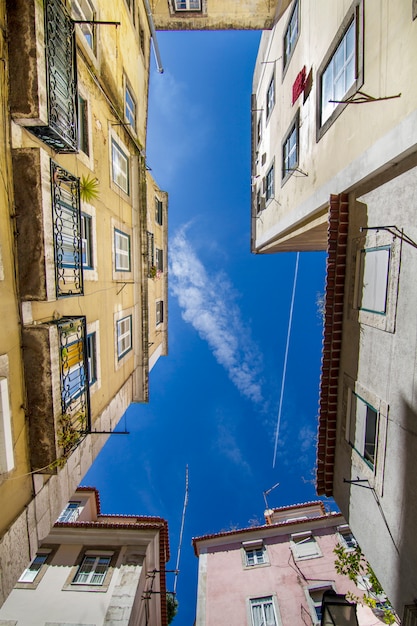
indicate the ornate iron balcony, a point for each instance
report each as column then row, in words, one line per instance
column 75, row 421
column 66, row 215
column 61, row 74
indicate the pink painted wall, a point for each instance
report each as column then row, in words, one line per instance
column 230, row 583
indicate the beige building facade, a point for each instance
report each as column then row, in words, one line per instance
column 94, row 569
column 216, row 14
column 333, row 110
column 334, row 160
column 74, row 351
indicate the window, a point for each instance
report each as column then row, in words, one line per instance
column 304, row 546
column 71, row 512
column 150, row 252
column 130, row 107
column 120, row 167
column 92, row 358
column 34, row 568
column 270, row 184
column 187, row 5
column 84, row 10
column 86, row 240
column 72, row 365
column 315, row 597
column 373, row 279
column 290, row 151
column 291, row 33
column 158, row 211
column 341, row 72
column 121, row 251
column 255, row 556
column 6, row 440
column 259, row 131
column 124, row 336
column 347, row 539
column 92, row 570
column 83, row 143
column 270, row 97
column 67, row 232
column 363, row 429
column 263, row 612
column 159, row 312
column 159, row 260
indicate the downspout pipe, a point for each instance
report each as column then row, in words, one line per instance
column 154, row 39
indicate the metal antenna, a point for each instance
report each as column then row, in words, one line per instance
column 268, row 491
column 184, row 508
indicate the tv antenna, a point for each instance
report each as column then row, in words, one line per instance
column 184, row 508
column 267, row 492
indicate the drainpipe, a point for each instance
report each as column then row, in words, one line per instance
column 153, row 35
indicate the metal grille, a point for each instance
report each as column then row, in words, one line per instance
column 66, row 217
column 61, row 72
column 150, row 252
column 75, row 396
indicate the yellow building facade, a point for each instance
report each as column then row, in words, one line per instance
column 77, row 336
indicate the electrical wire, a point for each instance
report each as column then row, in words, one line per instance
column 184, row 508
column 284, row 372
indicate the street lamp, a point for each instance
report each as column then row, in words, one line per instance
column 337, row 611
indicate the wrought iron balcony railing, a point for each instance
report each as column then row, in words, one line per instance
column 66, row 215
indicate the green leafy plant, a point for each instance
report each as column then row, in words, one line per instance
column 152, row 271
column 88, row 188
column 352, row 563
column 172, row 606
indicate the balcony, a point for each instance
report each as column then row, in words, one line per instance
column 47, row 199
column 43, row 73
column 56, row 375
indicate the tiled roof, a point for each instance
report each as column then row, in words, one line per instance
column 299, row 506
column 332, row 341
column 264, row 527
column 85, row 488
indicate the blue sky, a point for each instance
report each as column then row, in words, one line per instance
column 214, row 398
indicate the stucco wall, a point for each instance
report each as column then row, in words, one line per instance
column 383, row 364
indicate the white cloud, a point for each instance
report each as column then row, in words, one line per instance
column 227, row 446
column 208, row 304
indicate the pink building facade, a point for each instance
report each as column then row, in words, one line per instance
column 276, row 574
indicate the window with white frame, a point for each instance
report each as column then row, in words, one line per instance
column 159, row 312
column 159, row 254
column 255, row 555
column 270, row 97
column 341, row 72
column 187, row 5
column 71, row 512
column 92, row 571
column 304, row 546
column 347, row 539
column 6, row 440
column 291, row 33
column 83, row 140
column 87, row 240
column 315, row 597
column 373, row 279
column 363, row 430
column 34, row 568
column 130, row 107
column 92, row 358
column 124, row 336
column 84, row 10
column 263, row 612
column 270, row 183
column 121, row 251
column 120, row 167
column 290, row 150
